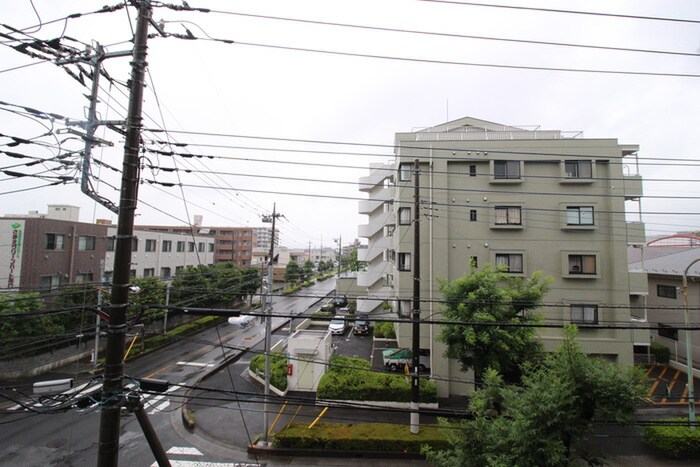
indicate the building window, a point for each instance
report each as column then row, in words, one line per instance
column 404, row 262
column 669, row 332
column 150, row 245
column 108, row 277
column 472, row 171
column 54, row 241
column 584, row 314
column 472, row 215
column 134, row 244
column 200, row 247
column 167, row 246
column 149, row 272
column 132, row 273
column 404, row 216
column 111, row 243
column 582, row 264
column 211, row 248
column 508, row 215
column 666, row 291
column 180, row 246
column 86, row 243
column 506, row 169
column 179, row 269
column 579, row 215
column 512, row 261
column 165, row 272
column 578, row 169
column 50, row 282
column 405, row 171
column 190, row 246
column 83, row 277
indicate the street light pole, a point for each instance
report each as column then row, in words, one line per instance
column 689, row 349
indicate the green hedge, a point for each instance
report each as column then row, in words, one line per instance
column 360, row 437
column 291, row 290
column 677, row 441
column 661, row 353
column 278, row 369
column 350, row 378
column 384, row 329
column 159, row 340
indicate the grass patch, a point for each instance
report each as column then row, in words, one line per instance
column 360, row 437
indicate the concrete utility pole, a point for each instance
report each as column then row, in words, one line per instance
column 340, row 251
column 415, row 389
column 689, row 350
column 112, row 390
column 267, row 309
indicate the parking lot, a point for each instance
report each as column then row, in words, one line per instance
column 669, row 386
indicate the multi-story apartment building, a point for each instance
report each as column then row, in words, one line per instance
column 664, row 261
column 527, row 200
column 161, row 254
column 230, row 243
column 46, row 251
column 263, row 237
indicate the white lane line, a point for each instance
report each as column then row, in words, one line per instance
column 159, row 408
column 196, row 364
column 176, row 463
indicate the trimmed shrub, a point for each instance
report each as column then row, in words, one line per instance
column 278, row 369
column 350, row 378
column 359, row 437
column 661, row 353
column 384, row 329
column 291, row 290
column 674, row 438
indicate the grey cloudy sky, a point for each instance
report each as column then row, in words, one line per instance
column 265, row 94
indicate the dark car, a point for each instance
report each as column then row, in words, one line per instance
column 361, row 325
column 340, row 301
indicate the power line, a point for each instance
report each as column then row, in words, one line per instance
column 573, row 12
column 450, row 35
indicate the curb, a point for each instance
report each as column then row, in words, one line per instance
column 288, row 452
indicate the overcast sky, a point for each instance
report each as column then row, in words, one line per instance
column 262, row 94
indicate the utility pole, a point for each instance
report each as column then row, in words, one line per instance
column 340, row 252
column 415, row 390
column 267, row 309
column 689, row 350
column 112, row 389
column 98, row 319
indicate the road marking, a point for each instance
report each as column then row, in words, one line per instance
column 176, row 463
column 199, row 364
column 185, row 450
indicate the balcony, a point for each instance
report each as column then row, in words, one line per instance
column 376, row 224
column 369, row 278
column 632, row 186
column 636, row 233
column 374, row 179
column 367, row 206
column 375, row 249
column 639, row 283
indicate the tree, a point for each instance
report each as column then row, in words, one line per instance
column 308, row 269
column 354, row 263
column 292, row 272
column 542, row 422
column 17, row 304
column 151, row 292
column 492, row 296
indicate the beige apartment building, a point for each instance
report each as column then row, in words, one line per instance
column 529, row 200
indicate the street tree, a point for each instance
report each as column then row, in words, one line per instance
column 308, row 269
column 292, row 272
column 477, row 303
column 543, row 421
column 13, row 305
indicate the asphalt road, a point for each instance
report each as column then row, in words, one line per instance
column 34, row 436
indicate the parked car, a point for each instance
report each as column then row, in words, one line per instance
column 338, row 325
column 340, row 301
column 395, row 359
column 242, row 321
column 361, row 325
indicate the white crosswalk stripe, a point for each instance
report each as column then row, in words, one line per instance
column 192, row 458
column 156, row 402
